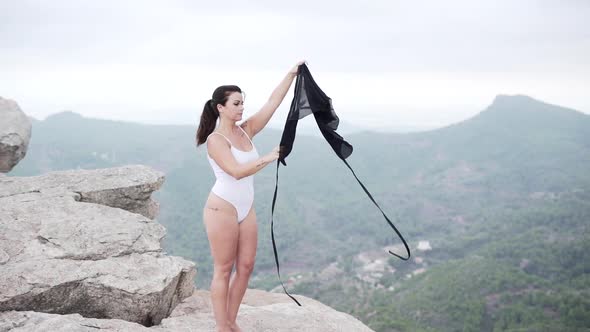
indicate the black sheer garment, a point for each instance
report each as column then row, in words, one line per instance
column 310, row 99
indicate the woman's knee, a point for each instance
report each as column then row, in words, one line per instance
column 245, row 267
column 222, row 271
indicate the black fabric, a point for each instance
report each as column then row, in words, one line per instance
column 310, row 99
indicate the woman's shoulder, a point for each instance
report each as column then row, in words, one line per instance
column 217, row 139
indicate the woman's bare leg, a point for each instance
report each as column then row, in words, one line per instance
column 247, row 242
column 222, row 231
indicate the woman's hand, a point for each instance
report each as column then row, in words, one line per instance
column 273, row 155
column 294, row 70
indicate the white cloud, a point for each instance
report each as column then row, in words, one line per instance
column 419, row 62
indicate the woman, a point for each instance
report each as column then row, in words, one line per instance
column 229, row 215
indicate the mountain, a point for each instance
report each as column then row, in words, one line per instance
column 503, row 200
column 495, row 209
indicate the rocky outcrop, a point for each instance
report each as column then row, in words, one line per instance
column 82, row 242
column 30, row 321
column 128, row 188
column 77, row 247
column 15, row 133
column 260, row 311
column 263, row 311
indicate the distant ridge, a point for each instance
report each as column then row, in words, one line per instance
column 506, row 113
column 65, row 115
column 510, row 113
column 512, row 109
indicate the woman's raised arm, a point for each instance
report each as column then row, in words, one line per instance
column 254, row 124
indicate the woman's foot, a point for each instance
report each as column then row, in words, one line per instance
column 225, row 328
column 234, row 327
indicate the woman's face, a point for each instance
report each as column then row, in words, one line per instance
column 234, row 107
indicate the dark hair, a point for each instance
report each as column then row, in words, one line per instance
column 210, row 112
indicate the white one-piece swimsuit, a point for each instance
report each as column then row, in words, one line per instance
column 239, row 193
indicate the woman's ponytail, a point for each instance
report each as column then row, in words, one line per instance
column 207, row 123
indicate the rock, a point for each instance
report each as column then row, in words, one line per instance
column 38, row 227
column 62, row 251
column 15, row 133
column 30, row 321
column 260, row 311
column 263, row 311
column 80, row 252
column 137, row 288
column 128, row 187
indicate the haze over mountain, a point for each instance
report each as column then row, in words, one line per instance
column 496, row 210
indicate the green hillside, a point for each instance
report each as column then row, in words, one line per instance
column 502, row 198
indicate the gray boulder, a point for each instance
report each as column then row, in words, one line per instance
column 128, row 187
column 79, row 251
column 260, row 311
column 30, row 321
column 15, row 133
column 263, row 311
column 68, row 245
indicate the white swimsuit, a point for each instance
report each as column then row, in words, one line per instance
column 239, row 193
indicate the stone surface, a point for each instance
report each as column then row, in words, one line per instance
column 30, row 321
column 260, row 311
column 79, row 251
column 137, row 288
column 61, row 254
column 15, row 134
column 128, row 187
column 263, row 311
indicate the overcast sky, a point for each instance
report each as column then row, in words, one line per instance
column 384, row 63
